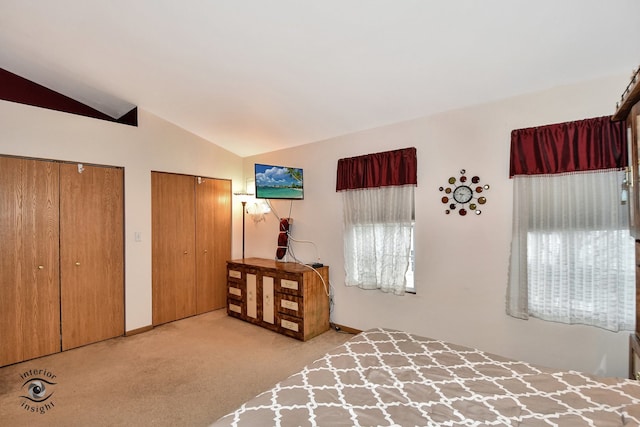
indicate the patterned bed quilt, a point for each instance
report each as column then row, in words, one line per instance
column 384, row 377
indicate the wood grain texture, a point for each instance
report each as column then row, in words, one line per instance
column 222, row 240
column 293, row 283
column 637, row 246
column 316, row 302
column 173, row 247
column 633, row 173
column 213, row 242
column 29, row 267
column 630, row 110
column 91, row 254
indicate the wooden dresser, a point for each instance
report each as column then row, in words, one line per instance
column 628, row 108
column 286, row 297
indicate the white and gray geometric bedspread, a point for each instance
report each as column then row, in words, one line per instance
column 384, row 377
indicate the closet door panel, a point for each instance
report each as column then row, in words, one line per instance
column 213, row 242
column 205, row 256
column 173, row 247
column 91, row 254
column 222, row 240
column 29, row 266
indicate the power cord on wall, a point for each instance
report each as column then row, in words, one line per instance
column 327, row 286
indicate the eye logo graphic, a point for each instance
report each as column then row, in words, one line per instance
column 37, row 390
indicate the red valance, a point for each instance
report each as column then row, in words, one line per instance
column 397, row 167
column 588, row 144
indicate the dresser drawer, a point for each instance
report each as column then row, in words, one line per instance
column 234, row 275
column 289, row 304
column 234, row 291
column 235, row 308
column 291, row 326
column 289, row 285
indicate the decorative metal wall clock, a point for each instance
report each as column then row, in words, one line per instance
column 462, row 193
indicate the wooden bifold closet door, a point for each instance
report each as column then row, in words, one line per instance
column 29, row 267
column 191, row 242
column 91, row 254
column 173, row 247
column 61, row 256
column 213, row 242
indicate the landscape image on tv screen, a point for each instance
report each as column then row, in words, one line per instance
column 278, row 182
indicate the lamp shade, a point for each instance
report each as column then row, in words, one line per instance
column 243, row 197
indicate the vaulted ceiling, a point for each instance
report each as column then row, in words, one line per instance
column 254, row 76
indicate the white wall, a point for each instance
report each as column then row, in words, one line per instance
column 154, row 145
column 462, row 262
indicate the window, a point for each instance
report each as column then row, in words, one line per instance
column 410, row 276
column 572, row 258
column 378, row 238
column 572, row 254
column 378, row 199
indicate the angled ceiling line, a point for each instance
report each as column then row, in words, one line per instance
column 15, row 88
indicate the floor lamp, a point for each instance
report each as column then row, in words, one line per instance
column 244, row 198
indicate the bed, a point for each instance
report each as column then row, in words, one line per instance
column 384, row 377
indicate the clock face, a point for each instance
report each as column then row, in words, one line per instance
column 462, row 194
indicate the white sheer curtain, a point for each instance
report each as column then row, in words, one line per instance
column 377, row 237
column 572, row 257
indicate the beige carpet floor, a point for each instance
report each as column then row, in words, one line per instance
column 185, row 373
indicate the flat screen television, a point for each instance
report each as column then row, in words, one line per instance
column 278, row 182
